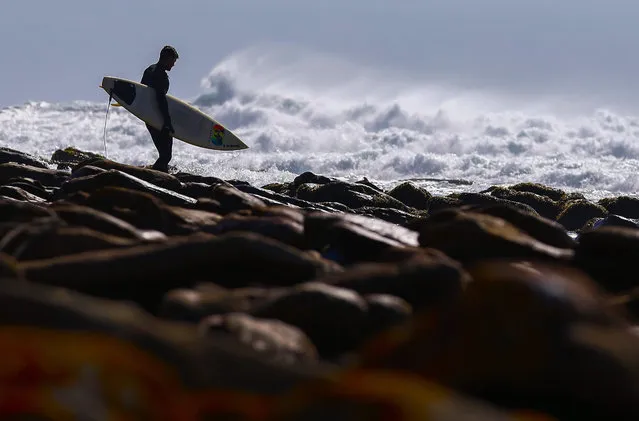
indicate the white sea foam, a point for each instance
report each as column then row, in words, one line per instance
column 305, row 111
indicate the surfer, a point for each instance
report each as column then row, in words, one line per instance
column 155, row 77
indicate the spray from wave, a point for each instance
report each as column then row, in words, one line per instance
column 306, row 111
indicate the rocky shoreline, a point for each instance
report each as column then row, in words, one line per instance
column 519, row 299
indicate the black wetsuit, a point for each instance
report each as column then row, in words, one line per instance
column 155, row 77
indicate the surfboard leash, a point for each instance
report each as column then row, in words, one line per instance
column 106, row 118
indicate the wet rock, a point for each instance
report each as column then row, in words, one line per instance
column 31, row 186
column 48, row 177
column 350, row 194
column 348, row 238
column 543, row 205
column 624, row 206
column 545, row 230
column 70, row 157
column 116, row 178
column 186, row 178
column 8, row 155
column 18, row 193
column 266, row 195
column 274, row 340
column 77, row 215
column 365, row 181
column 469, row 236
column 9, row 267
column 426, row 281
column 333, row 318
column 609, row 256
column 554, row 194
column 145, row 273
column 184, row 221
column 141, row 209
column 386, row 311
column 17, row 211
column 610, row 221
column 154, row 177
column 279, row 228
column 440, row 203
column 192, row 305
column 86, row 170
column 412, row 195
column 577, row 213
column 312, row 178
column 52, row 239
column 232, row 199
column 394, row 216
column 195, row 362
column 486, row 199
column 536, row 337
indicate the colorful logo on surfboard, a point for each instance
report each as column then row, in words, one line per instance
column 217, row 134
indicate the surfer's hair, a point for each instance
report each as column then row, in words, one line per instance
column 168, row 51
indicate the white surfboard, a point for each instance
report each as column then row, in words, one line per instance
column 190, row 124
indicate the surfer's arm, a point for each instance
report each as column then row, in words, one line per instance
column 161, row 88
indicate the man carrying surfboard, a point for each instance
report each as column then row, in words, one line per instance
column 155, row 77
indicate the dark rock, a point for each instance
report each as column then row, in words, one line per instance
column 485, row 199
column 440, row 203
column 545, row 230
column 141, row 209
column 87, row 170
column 31, row 186
column 350, row 194
column 154, row 177
column 199, row 179
column 9, row 267
column 49, row 178
column 623, row 206
column 333, row 318
column 309, row 177
column 412, row 195
column 468, row 236
column 273, row 339
column 279, row 228
column 232, row 199
column 554, row 194
column 348, row 238
column 393, row 216
column 609, row 255
column 543, row 205
column 28, row 242
column 116, row 178
column 611, row 220
column 192, row 305
column 264, row 194
column 426, row 281
column 531, row 336
column 18, row 193
column 8, row 155
column 70, row 157
column 365, row 181
column 17, row 211
column 84, row 216
column 577, row 213
column 145, row 273
column 385, row 311
column 176, row 355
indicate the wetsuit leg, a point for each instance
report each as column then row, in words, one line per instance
column 164, row 145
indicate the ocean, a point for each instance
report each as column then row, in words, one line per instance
column 300, row 111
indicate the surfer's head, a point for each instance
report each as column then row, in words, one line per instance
column 168, row 57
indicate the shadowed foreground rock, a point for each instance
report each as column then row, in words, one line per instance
column 187, row 296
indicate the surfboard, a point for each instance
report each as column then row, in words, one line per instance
column 191, row 125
